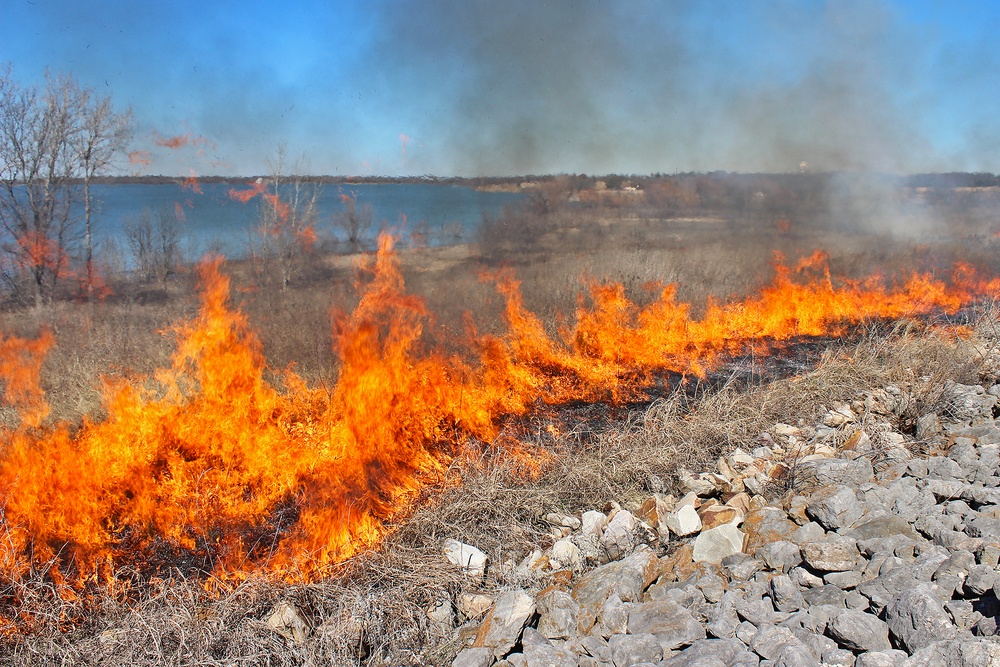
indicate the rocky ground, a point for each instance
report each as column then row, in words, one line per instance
column 814, row 548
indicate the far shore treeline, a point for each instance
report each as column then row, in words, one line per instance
column 926, row 180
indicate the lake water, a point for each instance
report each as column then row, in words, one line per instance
column 214, row 221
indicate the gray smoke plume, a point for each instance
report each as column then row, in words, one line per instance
column 651, row 86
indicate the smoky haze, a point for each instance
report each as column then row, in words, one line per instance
column 644, row 87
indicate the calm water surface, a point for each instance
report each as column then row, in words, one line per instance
column 213, row 221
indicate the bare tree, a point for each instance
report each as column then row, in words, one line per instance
column 287, row 225
column 154, row 243
column 103, row 135
column 355, row 221
column 51, row 135
column 36, row 135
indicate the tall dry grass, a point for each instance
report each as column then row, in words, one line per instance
column 372, row 610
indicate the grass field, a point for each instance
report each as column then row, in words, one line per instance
column 373, row 607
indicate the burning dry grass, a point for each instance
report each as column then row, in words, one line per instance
column 373, row 607
column 135, row 593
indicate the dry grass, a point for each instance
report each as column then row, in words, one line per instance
column 373, row 609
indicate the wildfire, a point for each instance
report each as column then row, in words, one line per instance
column 211, row 464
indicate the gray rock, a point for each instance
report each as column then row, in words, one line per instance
column 855, row 600
column 858, row 631
column 780, row 556
column 759, row 611
column 939, row 467
column 984, row 526
column 831, row 554
column 981, row 579
column 891, row 658
column 882, row 589
column 621, row 535
column 634, row 649
column 713, row 586
column 838, row 657
column 557, row 615
column 627, row 578
column 916, row 618
column 773, row 642
column 835, row 507
column 832, row 471
column 474, row 657
column 825, row 595
column 844, row 580
column 957, row 653
column 745, row 659
column 673, row 625
column 883, row 526
column 547, row 655
column 596, row 647
column 723, row 620
column 704, row 651
column 805, row 578
column 613, row 618
column 961, row 612
column 503, row 625
column 965, row 403
column 786, row 594
column 746, row 632
column 741, row 566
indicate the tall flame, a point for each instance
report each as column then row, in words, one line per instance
column 210, row 464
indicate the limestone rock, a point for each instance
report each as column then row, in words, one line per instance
column 713, row 545
column 474, row 657
column 557, row 615
column 627, row 578
column 916, row 618
column 673, row 625
column 469, row 558
column 621, row 535
column 684, row 521
column 831, row 554
column 501, row 629
column 835, row 507
column 858, row 631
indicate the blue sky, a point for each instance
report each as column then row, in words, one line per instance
column 469, row 87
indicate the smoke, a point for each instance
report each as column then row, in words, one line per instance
column 648, row 86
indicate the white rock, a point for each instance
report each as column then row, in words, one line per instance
column 442, row 615
column 469, row 558
column 740, row 458
column 566, row 554
column 620, row 536
column 715, row 544
column 593, row 523
column 696, row 485
column 787, row 430
column 684, row 521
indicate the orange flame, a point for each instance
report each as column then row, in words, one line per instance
column 243, row 196
column 211, row 464
column 180, row 141
column 191, row 183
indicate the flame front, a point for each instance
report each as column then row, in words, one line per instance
column 211, row 465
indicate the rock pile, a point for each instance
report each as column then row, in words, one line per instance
column 829, row 544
